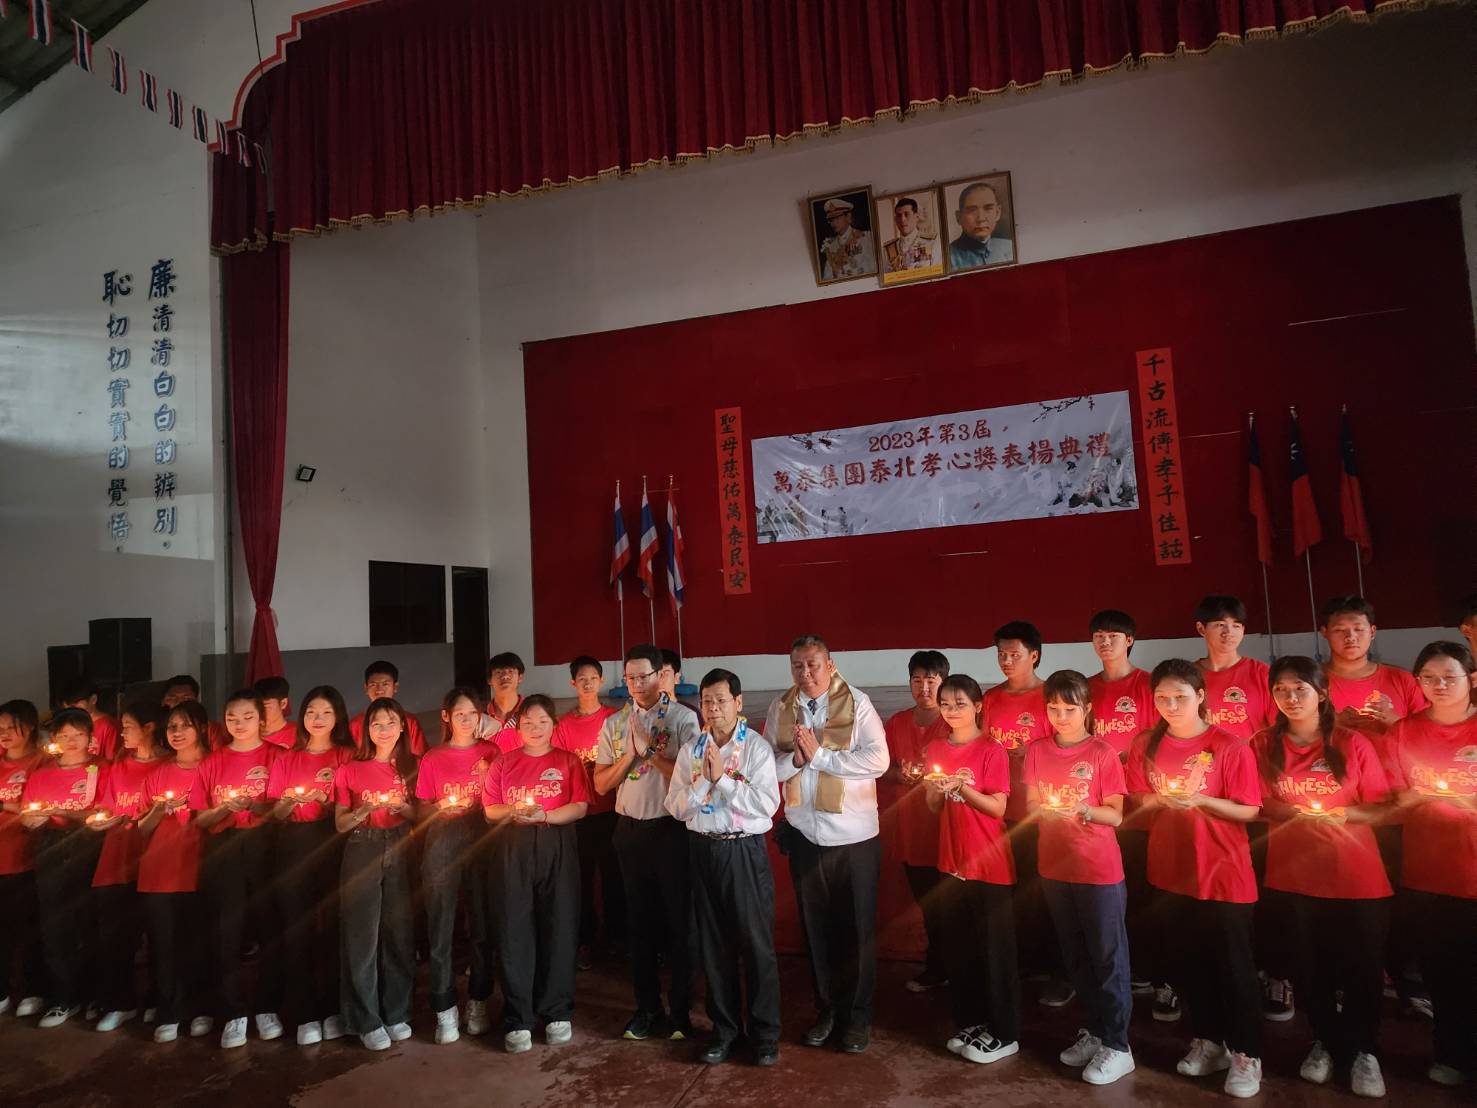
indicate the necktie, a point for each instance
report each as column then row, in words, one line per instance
column 811, row 705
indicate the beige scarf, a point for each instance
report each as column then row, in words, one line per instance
column 830, row 790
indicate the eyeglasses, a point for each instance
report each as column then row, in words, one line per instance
column 637, row 678
column 1438, row 682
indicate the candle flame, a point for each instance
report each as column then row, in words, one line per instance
column 1441, row 784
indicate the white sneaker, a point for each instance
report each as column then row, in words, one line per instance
column 518, row 1042
column 333, row 1028
column 111, row 1021
column 446, row 1026
column 1366, row 1078
column 57, row 1015
column 558, row 1032
column 92, row 1013
column 309, row 1034
column 235, row 1033
column 399, row 1032
column 1107, row 1066
column 1083, row 1050
column 1446, row 1075
column 984, row 1048
column 1204, row 1057
column 1317, row 1067
column 28, row 1006
column 166, row 1033
column 1244, row 1080
column 477, row 1021
column 963, row 1035
column 268, row 1026
column 150, row 1014
column 4, row 1005
column 378, row 1039
column 201, row 1026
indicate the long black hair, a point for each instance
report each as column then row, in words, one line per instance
column 448, row 705
column 402, row 757
column 1171, row 669
column 1070, row 687
column 340, row 735
column 1445, row 648
column 1304, row 669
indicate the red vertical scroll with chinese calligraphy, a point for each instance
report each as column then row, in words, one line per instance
column 1168, row 518
column 733, row 499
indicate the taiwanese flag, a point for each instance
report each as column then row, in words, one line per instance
column 620, row 555
column 1256, row 495
column 646, row 556
column 1351, row 497
column 1306, row 530
column 676, row 583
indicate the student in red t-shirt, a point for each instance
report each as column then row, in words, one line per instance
column 967, row 782
column 1075, row 789
column 308, row 859
column 20, row 729
column 104, row 742
column 277, row 728
column 578, row 732
column 120, row 913
column 373, row 804
column 1323, row 787
column 449, row 800
column 1432, row 759
column 531, row 796
column 182, row 687
column 169, row 876
column 910, row 832
column 382, row 682
column 58, row 798
column 1199, row 787
column 230, row 801
column 1466, row 621
column 504, row 677
column 1366, row 695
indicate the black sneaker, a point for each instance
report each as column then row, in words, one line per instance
column 1277, row 1000
column 681, row 1030
column 928, row 979
column 641, row 1026
column 1166, row 1005
column 583, row 959
column 1057, row 994
column 1140, row 986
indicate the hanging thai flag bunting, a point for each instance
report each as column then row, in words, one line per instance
column 646, row 556
column 202, row 124
column 676, row 583
column 176, row 104
column 222, row 138
column 261, row 157
column 149, row 96
column 81, row 47
column 242, row 157
column 119, row 78
column 41, row 21
column 620, row 555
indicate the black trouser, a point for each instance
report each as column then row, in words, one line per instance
column 65, row 861
column 120, row 930
column 1446, row 938
column 1036, row 948
column 836, row 890
column 178, row 953
column 733, row 891
column 596, row 837
column 1273, row 922
column 454, row 863
column 377, row 935
column 1143, row 944
column 309, row 860
column 924, row 881
column 984, row 973
column 537, row 873
column 1210, row 954
column 1339, row 948
column 20, row 934
column 1402, row 948
column 237, row 881
column 1089, row 926
column 653, row 862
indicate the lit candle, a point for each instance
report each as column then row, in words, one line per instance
column 168, row 794
column 1442, row 786
column 35, row 805
column 1317, row 805
column 98, row 817
column 53, row 749
column 233, row 794
column 300, row 791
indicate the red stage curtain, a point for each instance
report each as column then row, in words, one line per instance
column 256, row 286
column 403, row 106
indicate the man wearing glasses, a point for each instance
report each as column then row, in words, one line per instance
column 638, row 747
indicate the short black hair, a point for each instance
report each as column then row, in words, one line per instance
column 186, row 680
column 721, row 677
column 928, row 662
column 806, row 641
column 906, row 201
column 1348, row 604
column 671, row 658
column 71, row 717
column 146, row 712
column 1215, row 606
column 1113, row 621
column 78, row 690
column 1022, row 632
column 645, row 652
column 24, row 713
column 581, row 662
column 272, row 688
column 389, row 669
column 506, row 660
column 1467, row 609
column 244, row 696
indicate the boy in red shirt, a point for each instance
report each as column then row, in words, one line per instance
column 277, row 729
column 382, row 682
column 1366, row 695
column 104, row 743
column 182, row 687
column 504, row 677
column 1236, row 694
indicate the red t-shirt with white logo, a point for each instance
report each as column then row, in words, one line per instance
column 283, row 737
column 1085, row 772
column 357, row 781
column 1238, row 700
column 171, row 858
column 1317, row 857
column 580, row 735
column 455, row 771
column 314, row 774
column 1355, row 693
column 15, row 849
column 246, row 772
column 1122, row 709
column 1191, row 852
column 104, row 742
column 124, row 795
column 1015, row 720
column 553, row 779
column 413, row 732
column 1440, row 838
column 70, row 788
column 973, row 845
column 910, row 832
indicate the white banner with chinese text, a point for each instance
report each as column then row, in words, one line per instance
column 1025, row 461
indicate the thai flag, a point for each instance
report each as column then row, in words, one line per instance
column 620, row 556
column 676, row 583
column 242, row 157
column 81, row 47
column 1306, row 530
column 1256, row 496
column 1351, row 496
column 150, row 95
column 202, row 124
column 261, row 158
column 176, row 104
column 222, row 138
column 41, row 21
column 119, row 79
column 646, row 556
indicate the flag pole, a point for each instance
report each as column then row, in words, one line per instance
column 620, row 589
column 1358, row 561
column 1266, row 589
column 671, row 540
column 650, row 600
column 1313, row 606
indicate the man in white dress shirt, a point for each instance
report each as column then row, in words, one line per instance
column 723, row 787
column 830, row 748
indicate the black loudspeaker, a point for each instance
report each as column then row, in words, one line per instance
column 120, row 651
column 66, row 668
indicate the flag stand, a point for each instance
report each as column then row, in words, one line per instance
column 1267, row 600
column 1313, row 606
column 1358, row 567
column 650, row 599
column 618, row 564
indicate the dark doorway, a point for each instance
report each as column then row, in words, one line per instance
column 469, row 625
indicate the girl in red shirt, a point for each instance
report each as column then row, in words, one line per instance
column 532, row 797
column 1074, row 788
column 115, row 883
column 968, row 782
column 1433, row 765
column 372, row 803
column 169, row 875
column 1199, row 787
column 58, row 798
column 1323, row 787
column 308, row 850
column 20, row 726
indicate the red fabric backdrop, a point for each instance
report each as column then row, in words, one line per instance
column 1395, row 344
column 402, row 106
